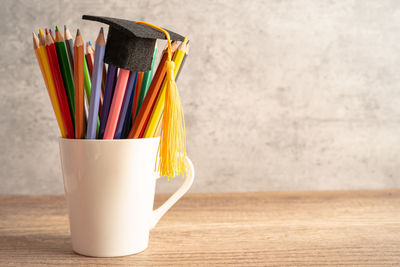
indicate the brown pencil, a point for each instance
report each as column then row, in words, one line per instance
column 151, row 96
column 79, row 86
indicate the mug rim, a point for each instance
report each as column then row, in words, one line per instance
column 129, row 140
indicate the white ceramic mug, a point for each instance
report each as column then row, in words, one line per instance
column 110, row 187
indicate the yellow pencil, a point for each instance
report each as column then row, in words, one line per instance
column 158, row 109
column 41, row 55
column 160, row 122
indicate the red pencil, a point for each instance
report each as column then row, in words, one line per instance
column 59, row 85
column 89, row 58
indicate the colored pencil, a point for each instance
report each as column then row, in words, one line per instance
column 88, row 89
column 158, row 128
column 128, row 118
column 103, row 82
column 137, row 94
column 53, row 37
column 159, row 105
column 116, row 104
column 108, row 94
column 151, row 96
column 66, row 71
column 183, row 60
column 146, row 83
column 96, row 86
column 88, row 83
column 69, row 43
column 124, row 109
column 86, row 107
column 59, row 86
column 43, row 62
column 89, row 58
column 79, row 86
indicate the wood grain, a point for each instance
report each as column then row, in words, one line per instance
column 268, row 229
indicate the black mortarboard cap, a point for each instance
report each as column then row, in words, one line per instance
column 129, row 45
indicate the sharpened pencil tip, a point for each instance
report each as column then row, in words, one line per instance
column 40, row 32
column 57, row 30
column 90, row 43
column 78, row 32
column 65, row 27
column 46, row 31
column 101, row 30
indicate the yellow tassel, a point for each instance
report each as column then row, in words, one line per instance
column 171, row 155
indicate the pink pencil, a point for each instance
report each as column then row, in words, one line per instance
column 116, row 104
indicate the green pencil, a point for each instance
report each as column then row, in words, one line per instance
column 146, row 82
column 66, row 73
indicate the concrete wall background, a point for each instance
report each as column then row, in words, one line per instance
column 278, row 95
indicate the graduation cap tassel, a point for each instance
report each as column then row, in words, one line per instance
column 171, row 155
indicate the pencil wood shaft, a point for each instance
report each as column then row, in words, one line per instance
column 79, row 87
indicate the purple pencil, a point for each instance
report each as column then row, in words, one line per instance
column 125, row 104
column 96, row 86
column 108, row 94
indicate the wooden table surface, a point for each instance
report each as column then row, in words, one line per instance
column 278, row 229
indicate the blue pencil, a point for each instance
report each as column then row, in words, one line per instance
column 128, row 118
column 125, row 105
column 111, row 79
column 96, row 86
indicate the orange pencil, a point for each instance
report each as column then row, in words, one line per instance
column 79, row 86
column 145, row 111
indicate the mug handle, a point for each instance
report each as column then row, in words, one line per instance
column 158, row 213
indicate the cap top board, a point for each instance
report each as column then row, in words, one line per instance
column 130, row 45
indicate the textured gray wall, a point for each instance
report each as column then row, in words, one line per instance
column 278, row 95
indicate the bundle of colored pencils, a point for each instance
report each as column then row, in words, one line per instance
column 87, row 100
